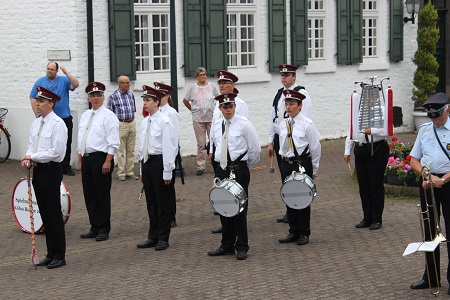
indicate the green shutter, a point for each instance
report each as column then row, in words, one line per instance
column 350, row 32
column 194, row 37
column 277, row 34
column 299, row 32
column 216, row 36
column 121, row 39
column 396, row 30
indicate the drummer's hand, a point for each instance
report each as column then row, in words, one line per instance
column 270, row 150
column 368, row 131
column 210, row 158
column 167, row 182
column 26, row 162
column 80, row 162
column 347, row 158
column 314, row 177
column 106, row 168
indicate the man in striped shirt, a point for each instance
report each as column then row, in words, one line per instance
column 123, row 104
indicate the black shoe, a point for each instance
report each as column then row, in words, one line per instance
column 173, row 224
column 220, row 251
column 162, row 245
column 362, row 224
column 102, row 237
column 218, row 230
column 290, row 238
column 69, row 172
column 89, row 235
column 56, row 263
column 375, row 226
column 241, row 255
column 303, row 240
column 423, row 284
column 283, row 219
column 147, row 244
column 45, row 262
column 199, row 172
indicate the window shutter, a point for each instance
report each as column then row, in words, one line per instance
column 350, row 34
column 216, row 35
column 277, row 34
column 121, row 39
column 396, row 30
column 194, row 37
column 299, row 32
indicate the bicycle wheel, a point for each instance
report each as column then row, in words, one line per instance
column 5, row 145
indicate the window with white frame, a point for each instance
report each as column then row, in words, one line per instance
column 316, row 28
column 151, row 30
column 241, row 33
column 370, row 28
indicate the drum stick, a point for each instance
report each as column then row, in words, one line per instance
column 350, row 169
column 271, row 170
column 34, row 258
column 140, row 194
column 258, row 168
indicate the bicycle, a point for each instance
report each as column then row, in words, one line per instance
column 5, row 141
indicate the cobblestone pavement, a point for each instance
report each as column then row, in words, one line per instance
column 340, row 262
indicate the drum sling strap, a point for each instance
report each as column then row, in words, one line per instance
column 238, row 160
column 277, row 99
column 305, row 152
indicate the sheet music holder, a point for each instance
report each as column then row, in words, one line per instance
column 421, row 246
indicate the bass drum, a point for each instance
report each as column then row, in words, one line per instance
column 227, row 197
column 298, row 190
column 20, row 206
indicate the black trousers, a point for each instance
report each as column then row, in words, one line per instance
column 173, row 198
column 442, row 198
column 299, row 219
column 157, row 195
column 234, row 232
column 46, row 184
column 370, row 174
column 97, row 191
column 66, row 161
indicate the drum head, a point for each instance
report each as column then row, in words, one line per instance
column 65, row 202
column 296, row 194
column 21, row 210
column 224, row 202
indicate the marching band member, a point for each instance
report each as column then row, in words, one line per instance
column 167, row 109
column 278, row 115
column 98, row 141
column 157, row 151
column 431, row 149
column 48, row 136
column 237, row 150
column 305, row 152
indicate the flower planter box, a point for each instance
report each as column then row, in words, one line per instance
column 393, row 179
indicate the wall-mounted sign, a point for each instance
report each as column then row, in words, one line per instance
column 58, row 55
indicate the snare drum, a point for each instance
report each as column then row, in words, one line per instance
column 298, row 190
column 20, row 206
column 227, row 197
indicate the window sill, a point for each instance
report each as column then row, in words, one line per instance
column 311, row 69
column 373, row 67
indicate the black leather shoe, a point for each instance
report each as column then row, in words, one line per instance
column 303, row 240
column 220, row 251
column 147, row 244
column 69, row 172
column 218, row 230
column 375, row 226
column 362, row 224
column 283, row 219
column 241, row 255
column 423, row 284
column 290, row 238
column 44, row 262
column 102, row 237
column 173, row 224
column 161, row 245
column 56, row 263
column 89, row 235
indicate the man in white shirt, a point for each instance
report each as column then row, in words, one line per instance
column 98, row 141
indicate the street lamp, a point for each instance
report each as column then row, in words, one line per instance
column 412, row 7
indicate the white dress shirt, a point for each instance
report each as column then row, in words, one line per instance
column 242, row 136
column 281, row 112
column 304, row 133
column 52, row 141
column 103, row 136
column 161, row 140
column 174, row 119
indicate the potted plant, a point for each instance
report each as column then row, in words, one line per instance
column 398, row 169
column 425, row 78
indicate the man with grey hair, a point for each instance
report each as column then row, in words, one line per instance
column 123, row 104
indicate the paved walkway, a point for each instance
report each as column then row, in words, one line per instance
column 340, row 262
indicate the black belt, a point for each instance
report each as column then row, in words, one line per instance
column 94, row 154
column 368, row 144
column 153, row 156
column 235, row 165
column 126, row 121
column 50, row 163
column 438, row 175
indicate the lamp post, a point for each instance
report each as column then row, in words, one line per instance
column 412, row 7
